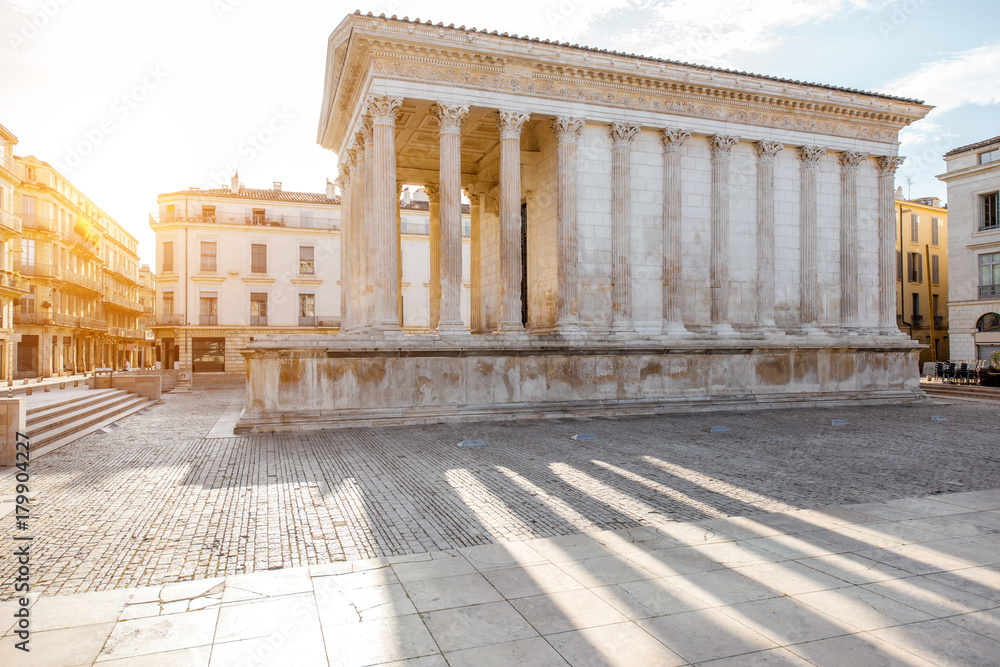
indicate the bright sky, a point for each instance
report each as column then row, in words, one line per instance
column 131, row 99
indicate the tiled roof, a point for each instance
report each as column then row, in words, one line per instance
column 418, row 205
column 525, row 38
column 972, row 147
column 260, row 194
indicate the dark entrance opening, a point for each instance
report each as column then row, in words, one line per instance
column 208, row 355
column 27, row 356
column 524, row 264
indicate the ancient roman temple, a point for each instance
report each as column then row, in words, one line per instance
column 646, row 236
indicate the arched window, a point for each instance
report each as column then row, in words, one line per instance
column 988, row 322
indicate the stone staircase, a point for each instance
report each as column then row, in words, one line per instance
column 58, row 423
column 950, row 390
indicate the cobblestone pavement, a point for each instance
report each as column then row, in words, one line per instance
column 153, row 501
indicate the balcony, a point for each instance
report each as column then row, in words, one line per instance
column 299, row 221
column 119, row 332
column 83, row 243
column 13, row 282
column 124, row 271
column 91, row 323
column 148, row 310
column 40, row 223
column 209, row 320
column 939, row 321
column 10, row 222
column 916, row 320
column 123, row 302
column 170, row 321
column 38, row 269
column 989, row 291
column 30, row 318
column 82, row 281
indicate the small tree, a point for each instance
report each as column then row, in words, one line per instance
column 995, row 361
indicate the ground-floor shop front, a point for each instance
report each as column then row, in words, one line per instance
column 213, row 349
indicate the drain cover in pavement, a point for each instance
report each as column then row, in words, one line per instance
column 838, row 422
column 471, row 443
column 584, row 436
column 938, row 418
column 718, row 429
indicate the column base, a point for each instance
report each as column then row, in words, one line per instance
column 723, row 329
column 621, row 327
column 510, row 328
column 810, row 330
column 568, row 330
column 675, row 329
column 452, row 329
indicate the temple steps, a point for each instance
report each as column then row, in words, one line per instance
column 56, row 424
column 947, row 390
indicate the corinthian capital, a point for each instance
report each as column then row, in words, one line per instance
column 567, row 130
column 509, row 123
column 433, row 193
column 722, row 146
column 450, row 116
column 887, row 164
column 851, row 160
column 365, row 133
column 344, row 178
column 767, row 150
column 810, row 155
column 473, row 198
column 622, row 133
column 673, row 140
column 383, row 109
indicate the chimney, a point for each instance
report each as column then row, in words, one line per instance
column 277, row 186
column 234, row 183
column 899, row 192
column 407, row 197
column 331, row 190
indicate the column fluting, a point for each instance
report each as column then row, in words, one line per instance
column 510, row 124
column 567, row 131
column 621, row 227
column 809, row 157
column 767, row 151
column 383, row 172
column 721, row 147
column 673, row 312
column 887, row 166
column 450, row 119
column 850, row 161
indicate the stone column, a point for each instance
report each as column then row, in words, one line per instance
column 766, row 152
column 434, row 227
column 383, row 182
column 567, row 132
column 721, row 147
column 673, row 141
column 809, row 157
column 621, row 227
column 509, row 124
column 450, row 119
column 344, row 183
column 475, row 265
column 367, row 230
column 399, row 252
column 359, row 254
column 887, row 244
column 849, row 163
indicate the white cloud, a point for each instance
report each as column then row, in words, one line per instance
column 966, row 77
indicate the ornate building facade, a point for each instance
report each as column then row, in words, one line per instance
column 646, row 236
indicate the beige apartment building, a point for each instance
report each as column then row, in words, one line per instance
column 12, row 285
column 81, row 304
column 234, row 263
column 973, row 178
column 147, row 299
column 922, row 274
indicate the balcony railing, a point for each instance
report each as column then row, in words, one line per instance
column 39, row 223
column 10, row 222
column 40, row 269
column 12, row 281
column 209, row 320
column 120, row 332
column 122, row 302
column 939, row 321
column 90, row 323
column 170, row 320
column 30, row 318
column 124, row 271
column 148, row 310
column 270, row 221
column 82, row 281
column 989, row 291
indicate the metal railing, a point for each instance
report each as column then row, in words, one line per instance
column 40, row 269
column 10, row 164
column 39, row 222
column 82, row 281
column 10, row 222
column 123, row 302
column 91, row 323
column 209, row 320
column 170, row 320
column 13, row 281
column 989, row 291
column 60, row 320
column 121, row 332
column 287, row 220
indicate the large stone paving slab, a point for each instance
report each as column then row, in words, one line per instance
column 154, row 501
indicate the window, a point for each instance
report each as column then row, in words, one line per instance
column 914, row 267
column 258, row 258
column 307, row 309
column 899, row 265
column 258, row 308
column 208, row 213
column 914, row 227
column 209, row 309
column 989, row 275
column 208, row 256
column 935, row 270
column 935, row 226
column 170, row 213
column 988, row 322
column 168, row 304
column 168, row 257
column 989, row 156
column 28, row 301
column 306, row 259
column 28, row 252
column 988, row 211
column 258, row 216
